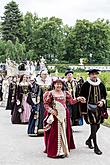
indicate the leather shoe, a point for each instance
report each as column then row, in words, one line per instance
column 88, row 142
column 61, row 156
column 97, row 151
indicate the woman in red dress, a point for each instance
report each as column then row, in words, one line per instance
column 57, row 128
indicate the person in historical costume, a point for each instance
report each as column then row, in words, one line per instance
column 1, row 92
column 12, row 94
column 44, row 82
column 71, row 85
column 15, row 115
column 27, row 66
column 32, row 68
column 58, row 136
column 22, row 107
column 34, row 100
column 42, row 64
column 22, row 67
column 18, row 79
column 95, row 109
column 80, row 82
column 5, row 88
column 37, row 66
column 9, row 67
column 12, row 67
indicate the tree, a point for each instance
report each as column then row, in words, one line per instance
column 10, row 51
column 12, row 23
column 28, row 28
column 100, row 41
column 20, row 51
column 87, row 38
column 77, row 41
column 48, row 39
column 2, row 51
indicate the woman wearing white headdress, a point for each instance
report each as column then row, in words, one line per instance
column 44, row 81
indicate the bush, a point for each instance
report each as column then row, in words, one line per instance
column 108, row 103
column 108, row 88
column 62, row 69
column 79, row 70
column 52, row 70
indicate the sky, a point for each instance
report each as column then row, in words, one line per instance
column 68, row 10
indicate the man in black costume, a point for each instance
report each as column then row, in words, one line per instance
column 94, row 110
column 71, row 86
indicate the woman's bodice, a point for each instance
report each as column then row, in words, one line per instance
column 60, row 98
column 24, row 88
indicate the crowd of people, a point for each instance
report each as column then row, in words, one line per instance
column 52, row 105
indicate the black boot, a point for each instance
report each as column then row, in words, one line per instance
column 97, row 151
column 88, row 142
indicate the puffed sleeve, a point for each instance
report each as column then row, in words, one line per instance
column 70, row 99
column 48, row 100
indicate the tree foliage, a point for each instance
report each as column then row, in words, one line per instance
column 48, row 39
column 87, row 38
column 11, row 22
column 30, row 37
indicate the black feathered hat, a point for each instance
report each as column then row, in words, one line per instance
column 68, row 70
column 93, row 71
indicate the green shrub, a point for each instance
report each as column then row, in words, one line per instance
column 79, row 70
column 62, row 69
column 108, row 88
column 108, row 103
column 52, row 70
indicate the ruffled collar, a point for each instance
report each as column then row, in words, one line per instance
column 94, row 83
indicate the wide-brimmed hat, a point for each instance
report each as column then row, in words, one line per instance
column 68, row 70
column 93, row 71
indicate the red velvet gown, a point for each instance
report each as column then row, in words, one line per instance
column 58, row 137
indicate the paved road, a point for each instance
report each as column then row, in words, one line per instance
column 16, row 148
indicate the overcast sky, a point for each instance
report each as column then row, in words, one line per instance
column 68, row 10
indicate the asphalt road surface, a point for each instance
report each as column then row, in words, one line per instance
column 16, row 148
